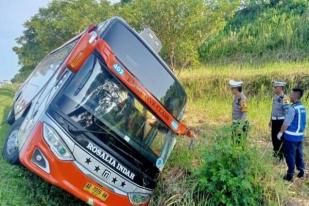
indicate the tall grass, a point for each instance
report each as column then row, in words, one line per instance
column 18, row 186
column 212, row 80
column 209, row 111
column 236, row 173
column 218, row 172
column 262, row 32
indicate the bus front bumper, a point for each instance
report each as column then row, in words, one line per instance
column 65, row 174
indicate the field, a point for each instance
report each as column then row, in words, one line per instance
column 208, row 111
column 18, row 187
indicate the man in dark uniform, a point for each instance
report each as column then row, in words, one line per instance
column 293, row 130
column 280, row 106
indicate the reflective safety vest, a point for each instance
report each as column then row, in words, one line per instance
column 296, row 131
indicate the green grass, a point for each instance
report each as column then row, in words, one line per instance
column 209, row 108
column 19, row 187
column 243, row 70
column 262, row 32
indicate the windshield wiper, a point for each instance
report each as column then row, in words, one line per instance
column 79, row 131
column 73, row 130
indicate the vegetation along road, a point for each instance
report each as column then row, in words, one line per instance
column 206, row 169
column 206, row 43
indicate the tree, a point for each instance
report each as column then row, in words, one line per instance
column 181, row 25
column 125, row 1
column 54, row 25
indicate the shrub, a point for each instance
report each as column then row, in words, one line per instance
column 232, row 174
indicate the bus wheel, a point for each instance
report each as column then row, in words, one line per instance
column 10, row 148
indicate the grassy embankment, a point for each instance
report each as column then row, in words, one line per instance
column 208, row 111
column 18, row 187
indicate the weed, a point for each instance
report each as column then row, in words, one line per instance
column 232, row 174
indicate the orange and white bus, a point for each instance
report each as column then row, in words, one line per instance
column 98, row 117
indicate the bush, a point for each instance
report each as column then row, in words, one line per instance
column 232, row 174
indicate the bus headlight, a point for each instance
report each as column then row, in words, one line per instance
column 55, row 143
column 139, row 198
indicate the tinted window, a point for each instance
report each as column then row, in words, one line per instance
column 145, row 66
column 49, row 65
column 96, row 100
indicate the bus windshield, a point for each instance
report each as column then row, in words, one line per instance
column 145, row 66
column 96, row 100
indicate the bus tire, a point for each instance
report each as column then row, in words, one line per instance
column 10, row 148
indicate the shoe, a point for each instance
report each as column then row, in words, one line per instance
column 288, row 178
column 301, row 174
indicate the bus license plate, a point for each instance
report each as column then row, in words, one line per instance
column 96, row 191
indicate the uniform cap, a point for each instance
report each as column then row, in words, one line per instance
column 235, row 84
column 279, row 83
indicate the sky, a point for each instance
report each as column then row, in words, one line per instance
column 13, row 14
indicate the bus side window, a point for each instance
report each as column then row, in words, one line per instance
column 47, row 67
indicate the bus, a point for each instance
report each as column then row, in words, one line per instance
column 99, row 116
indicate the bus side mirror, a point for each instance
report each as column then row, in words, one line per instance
column 83, row 49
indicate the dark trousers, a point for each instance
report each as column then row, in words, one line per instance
column 277, row 144
column 293, row 152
